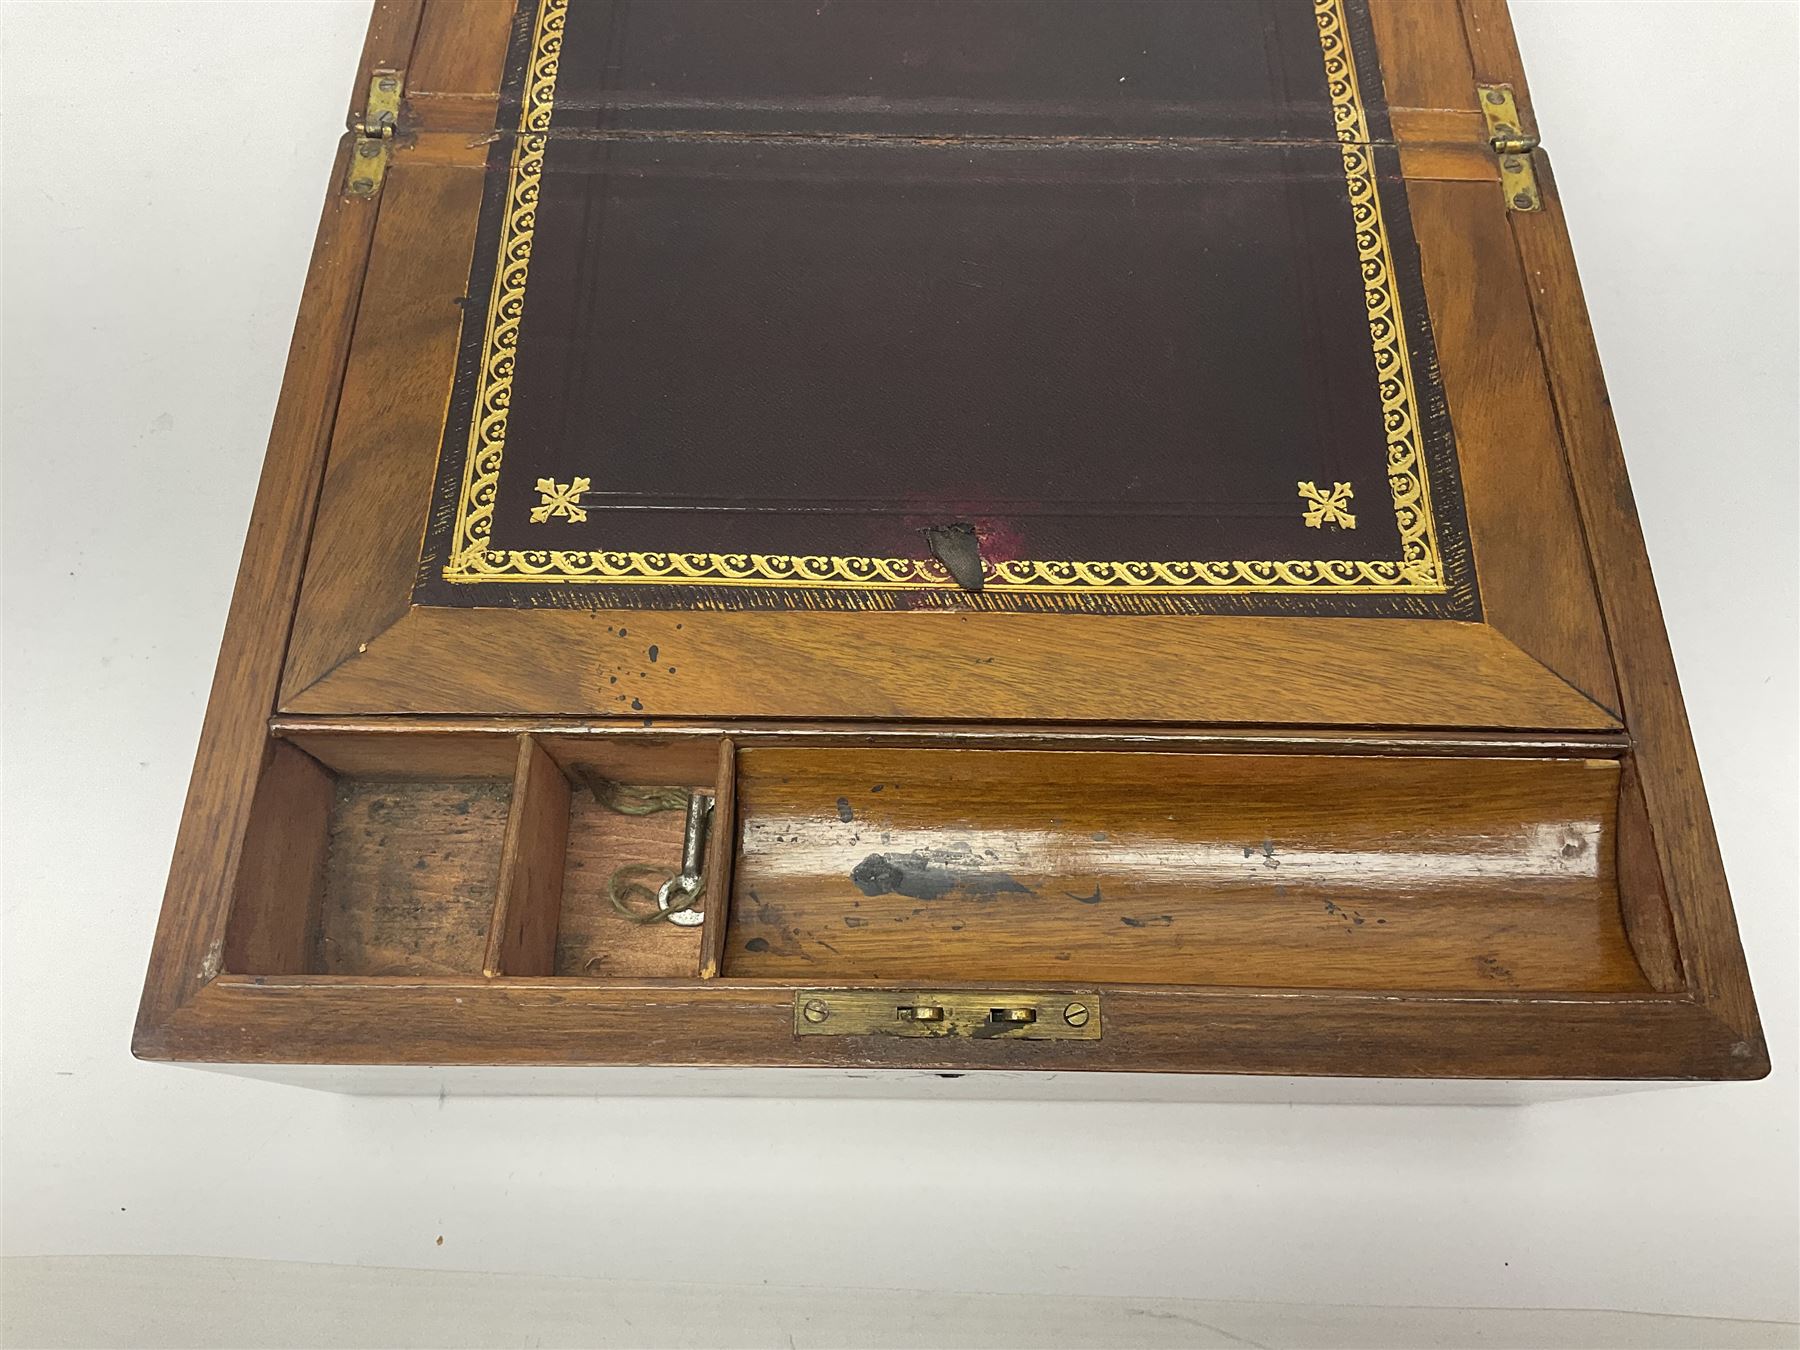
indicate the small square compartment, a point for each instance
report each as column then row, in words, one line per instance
column 381, row 860
column 556, row 915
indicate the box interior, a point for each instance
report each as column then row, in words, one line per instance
column 385, row 854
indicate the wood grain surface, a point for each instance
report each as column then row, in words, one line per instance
column 523, row 937
column 1536, row 583
column 244, row 1019
column 593, row 939
column 1424, row 60
column 377, row 487
column 276, row 907
column 1150, row 869
column 721, row 851
column 411, row 877
column 990, row 667
column 453, row 78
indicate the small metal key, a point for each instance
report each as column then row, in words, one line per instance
column 693, row 855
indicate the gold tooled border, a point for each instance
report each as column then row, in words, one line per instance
column 1419, row 570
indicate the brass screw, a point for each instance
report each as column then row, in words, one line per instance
column 1076, row 1014
column 1495, row 96
column 815, row 1010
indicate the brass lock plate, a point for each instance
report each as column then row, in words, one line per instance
column 987, row 1015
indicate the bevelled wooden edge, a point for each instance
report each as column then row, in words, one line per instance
column 234, row 741
column 1184, row 671
column 1537, row 582
column 364, row 552
column 248, row 1019
column 1667, row 766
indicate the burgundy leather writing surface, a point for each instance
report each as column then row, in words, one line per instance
column 1243, row 68
column 767, row 295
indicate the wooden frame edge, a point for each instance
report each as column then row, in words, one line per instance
column 234, row 740
column 1272, row 1032
column 1667, row 763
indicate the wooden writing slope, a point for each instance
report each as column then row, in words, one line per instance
column 1115, row 503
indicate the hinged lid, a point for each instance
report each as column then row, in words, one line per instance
column 1053, row 362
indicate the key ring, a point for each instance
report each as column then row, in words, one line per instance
column 688, row 883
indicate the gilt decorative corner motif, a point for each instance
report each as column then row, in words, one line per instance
column 1328, row 508
column 560, row 499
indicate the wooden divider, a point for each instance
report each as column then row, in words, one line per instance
column 522, row 938
column 721, row 852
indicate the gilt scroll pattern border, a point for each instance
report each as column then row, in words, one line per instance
column 472, row 559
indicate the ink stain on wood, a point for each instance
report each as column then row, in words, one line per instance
column 1491, row 968
column 1154, row 921
column 1267, row 849
column 1093, row 899
column 844, row 813
column 931, row 875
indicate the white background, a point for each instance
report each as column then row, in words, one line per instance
column 163, row 171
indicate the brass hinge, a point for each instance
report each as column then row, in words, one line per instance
column 1518, row 179
column 978, row 1015
column 374, row 143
